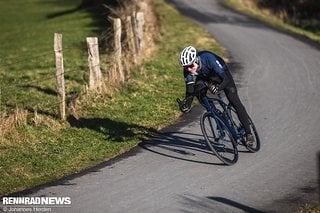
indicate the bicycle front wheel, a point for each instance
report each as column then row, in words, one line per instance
column 219, row 139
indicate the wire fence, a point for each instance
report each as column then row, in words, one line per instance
column 40, row 90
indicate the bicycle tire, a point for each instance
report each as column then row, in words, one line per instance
column 219, row 140
column 256, row 145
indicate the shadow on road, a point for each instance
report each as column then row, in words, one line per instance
column 235, row 204
column 215, row 204
column 179, row 145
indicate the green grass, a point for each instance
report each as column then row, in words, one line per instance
column 27, row 73
column 307, row 208
column 42, row 149
column 312, row 34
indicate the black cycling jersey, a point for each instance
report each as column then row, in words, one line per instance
column 211, row 68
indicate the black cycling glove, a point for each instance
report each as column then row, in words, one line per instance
column 214, row 88
column 183, row 105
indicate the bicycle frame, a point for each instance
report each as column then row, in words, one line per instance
column 237, row 134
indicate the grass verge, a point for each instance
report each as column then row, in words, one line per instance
column 41, row 149
column 250, row 9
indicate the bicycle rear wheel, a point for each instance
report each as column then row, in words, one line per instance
column 219, row 138
column 256, row 144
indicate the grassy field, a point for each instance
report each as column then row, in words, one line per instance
column 27, row 73
column 39, row 148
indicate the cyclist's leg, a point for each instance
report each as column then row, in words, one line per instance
column 233, row 97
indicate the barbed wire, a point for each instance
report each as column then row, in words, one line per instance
column 53, row 75
column 18, row 60
column 105, row 36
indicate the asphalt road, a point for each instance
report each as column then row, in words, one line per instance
column 278, row 78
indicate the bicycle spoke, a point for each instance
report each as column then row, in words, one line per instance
column 219, row 139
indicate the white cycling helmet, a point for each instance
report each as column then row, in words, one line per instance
column 188, row 56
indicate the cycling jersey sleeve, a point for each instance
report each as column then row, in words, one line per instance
column 225, row 81
column 190, row 87
column 219, row 68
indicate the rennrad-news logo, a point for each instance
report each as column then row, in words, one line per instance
column 36, row 201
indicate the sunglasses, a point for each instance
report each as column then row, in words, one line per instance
column 188, row 66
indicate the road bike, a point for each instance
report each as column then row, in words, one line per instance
column 223, row 131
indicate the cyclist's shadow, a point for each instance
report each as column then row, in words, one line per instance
column 183, row 146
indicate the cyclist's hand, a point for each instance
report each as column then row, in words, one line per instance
column 183, row 105
column 213, row 88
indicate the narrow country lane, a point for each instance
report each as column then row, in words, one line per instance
column 278, row 78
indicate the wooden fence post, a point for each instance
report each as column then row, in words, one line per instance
column 95, row 76
column 140, row 25
column 60, row 75
column 117, row 49
column 130, row 38
column 135, row 32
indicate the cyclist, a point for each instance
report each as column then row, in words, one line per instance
column 205, row 70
